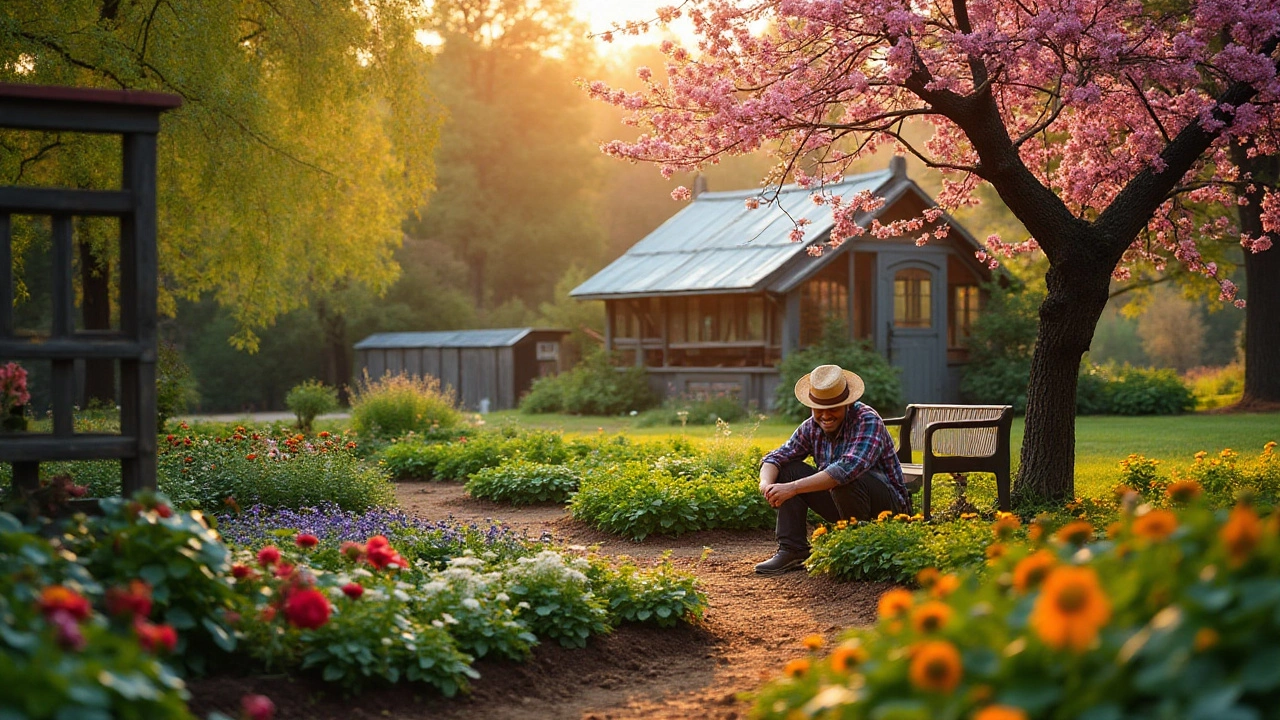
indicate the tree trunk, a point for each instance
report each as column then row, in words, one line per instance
column 336, row 362
column 95, row 309
column 1077, row 294
column 1262, row 290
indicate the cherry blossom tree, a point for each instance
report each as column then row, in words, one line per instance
column 1106, row 126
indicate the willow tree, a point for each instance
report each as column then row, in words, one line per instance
column 304, row 138
column 1103, row 125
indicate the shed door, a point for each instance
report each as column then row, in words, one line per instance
column 915, row 330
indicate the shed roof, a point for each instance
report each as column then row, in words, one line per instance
column 505, row 337
column 715, row 244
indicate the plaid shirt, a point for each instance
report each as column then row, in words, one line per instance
column 861, row 444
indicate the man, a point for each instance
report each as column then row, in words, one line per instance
column 857, row 475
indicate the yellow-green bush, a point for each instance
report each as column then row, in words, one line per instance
column 1222, row 476
column 1175, row 615
column 395, row 405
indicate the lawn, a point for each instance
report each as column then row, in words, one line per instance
column 1101, row 441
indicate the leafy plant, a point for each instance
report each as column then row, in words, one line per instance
column 521, row 482
column 475, row 610
column 883, row 381
column 395, row 405
column 175, row 386
column 554, row 598
column 309, row 400
column 594, row 387
column 660, row 595
column 1000, row 344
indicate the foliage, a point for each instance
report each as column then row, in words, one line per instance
column 176, row 555
column 310, row 399
column 478, row 614
column 594, row 387
column 694, row 410
column 1215, row 387
column 896, row 549
column 1000, row 346
column 394, row 405
column 1222, row 479
column 288, row 470
column 1173, row 616
column 660, row 595
column 882, row 380
column 1112, row 390
column 420, row 460
column 175, row 388
column 555, row 599
column 521, row 482
column 637, row 499
column 76, row 662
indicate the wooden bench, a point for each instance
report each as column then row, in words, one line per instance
column 955, row 439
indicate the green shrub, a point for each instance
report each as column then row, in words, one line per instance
column 412, row 459
column 459, row 460
column 1000, row 344
column 555, row 599
column 395, row 405
column 594, row 387
column 1222, row 478
column 1175, row 616
column 637, row 499
column 882, row 380
column 896, row 550
column 521, row 482
column 695, row 411
column 291, row 471
column 1137, row 391
column 175, row 387
column 483, row 622
column 661, row 595
column 1215, row 387
column 309, row 400
column 94, row 669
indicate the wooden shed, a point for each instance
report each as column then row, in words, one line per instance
column 488, row 369
column 710, row 302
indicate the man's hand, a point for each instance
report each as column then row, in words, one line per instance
column 779, row 493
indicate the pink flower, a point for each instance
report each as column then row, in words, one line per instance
column 257, row 707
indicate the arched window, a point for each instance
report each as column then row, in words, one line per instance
column 912, row 299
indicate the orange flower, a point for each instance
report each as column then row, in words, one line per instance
column 884, row 515
column 1005, row 524
column 62, row 599
column 1071, row 608
column 813, row 642
column 1184, row 491
column 847, row 657
column 931, row 617
column 935, row 666
column 819, row 532
column 1077, row 532
column 895, row 603
column 251, row 456
column 1000, row 712
column 1205, row 639
column 1241, row 533
column 928, row 576
column 1035, row 532
column 796, row 667
column 1156, row 525
column 945, row 585
column 995, row 551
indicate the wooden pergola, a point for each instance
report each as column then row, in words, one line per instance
column 135, row 116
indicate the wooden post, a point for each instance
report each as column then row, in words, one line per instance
column 138, row 273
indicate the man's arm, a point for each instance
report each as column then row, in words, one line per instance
column 777, row 493
column 795, row 448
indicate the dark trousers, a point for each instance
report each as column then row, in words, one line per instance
column 863, row 498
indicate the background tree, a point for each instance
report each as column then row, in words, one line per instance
column 1101, row 126
column 305, row 136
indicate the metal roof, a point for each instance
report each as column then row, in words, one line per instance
column 505, row 337
column 715, row 244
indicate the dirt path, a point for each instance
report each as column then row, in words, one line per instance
column 754, row 625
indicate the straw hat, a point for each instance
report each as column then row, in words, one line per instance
column 829, row 386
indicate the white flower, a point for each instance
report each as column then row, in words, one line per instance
column 449, row 619
column 438, row 624
column 522, row 605
column 386, row 642
column 400, row 595
column 502, row 597
column 471, row 604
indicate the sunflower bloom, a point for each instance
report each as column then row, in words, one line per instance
column 813, row 642
column 895, row 603
column 1241, row 533
column 1004, row 525
column 1000, row 712
column 847, row 657
column 1077, row 532
column 928, row 576
column 945, row 585
column 1156, row 525
column 796, row 667
column 931, row 617
column 935, row 666
column 995, row 551
column 1184, row 491
column 1071, row 609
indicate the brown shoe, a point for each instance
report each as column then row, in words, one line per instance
column 783, row 562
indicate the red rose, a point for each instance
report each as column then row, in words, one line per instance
column 268, row 555
column 251, row 456
column 352, row 551
column 60, row 598
column 324, row 433
column 284, row 570
column 134, row 600
column 353, row 590
column 307, row 608
column 306, row 540
column 258, row 707
column 164, row 510
column 240, row 572
column 268, row 613
column 152, row 637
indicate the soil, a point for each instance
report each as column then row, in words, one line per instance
column 754, row 625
